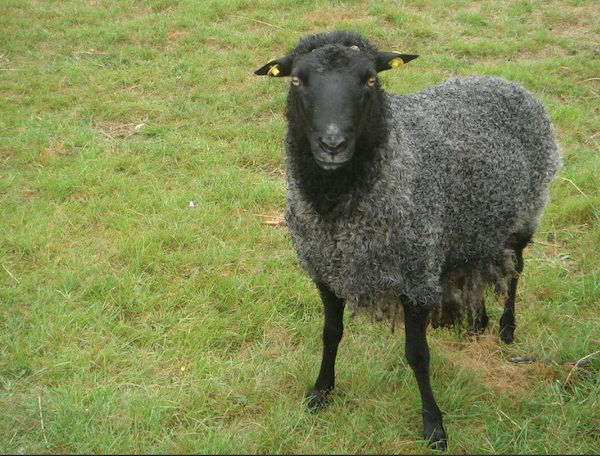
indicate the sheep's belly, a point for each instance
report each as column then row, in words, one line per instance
column 377, row 276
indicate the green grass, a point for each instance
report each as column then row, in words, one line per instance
column 133, row 323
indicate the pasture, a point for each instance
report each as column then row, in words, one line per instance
column 136, row 322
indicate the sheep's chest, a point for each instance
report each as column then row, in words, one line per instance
column 355, row 255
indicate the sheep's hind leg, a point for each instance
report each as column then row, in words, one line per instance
column 480, row 321
column 332, row 334
column 417, row 355
column 507, row 321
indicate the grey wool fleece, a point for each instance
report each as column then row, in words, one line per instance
column 467, row 164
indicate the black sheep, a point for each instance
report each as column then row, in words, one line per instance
column 409, row 204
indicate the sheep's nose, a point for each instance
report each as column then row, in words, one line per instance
column 332, row 143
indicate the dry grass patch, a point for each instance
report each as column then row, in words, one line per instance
column 486, row 361
column 326, row 18
column 119, row 130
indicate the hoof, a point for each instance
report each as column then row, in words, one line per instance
column 438, row 440
column 439, row 445
column 507, row 334
column 316, row 400
column 479, row 326
column 475, row 333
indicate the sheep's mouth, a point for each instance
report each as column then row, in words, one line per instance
column 329, row 162
column 330, row 159
column 331, row 166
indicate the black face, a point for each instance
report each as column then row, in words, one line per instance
column 335, row 101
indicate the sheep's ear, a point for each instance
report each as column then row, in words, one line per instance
column 277, row 68
column 389, row 60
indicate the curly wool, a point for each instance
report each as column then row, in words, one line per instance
column 457, row 171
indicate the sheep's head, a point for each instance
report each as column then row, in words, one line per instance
column 333, row 87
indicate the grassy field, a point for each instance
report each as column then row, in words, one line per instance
column 134, row 323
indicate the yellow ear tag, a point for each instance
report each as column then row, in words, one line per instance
column 274, row 70
column 395, row 63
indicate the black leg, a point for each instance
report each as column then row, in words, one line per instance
column 332, row 334
column 507, row 321
column 417, row 354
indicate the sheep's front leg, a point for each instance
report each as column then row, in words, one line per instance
column 417, row 355
column 332, row 334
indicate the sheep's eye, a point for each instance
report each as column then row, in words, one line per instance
column 371, row 81
column 296, row 81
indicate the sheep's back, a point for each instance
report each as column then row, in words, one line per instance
column 485, row 152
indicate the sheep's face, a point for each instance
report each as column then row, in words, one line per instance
column 332, row 92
